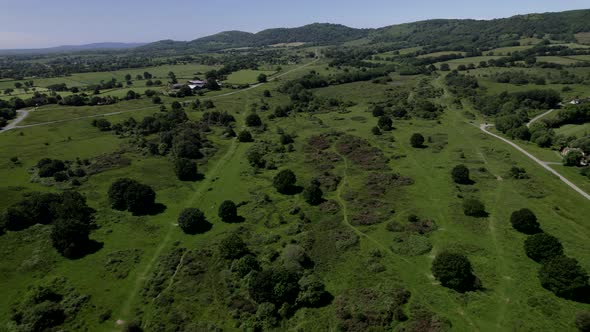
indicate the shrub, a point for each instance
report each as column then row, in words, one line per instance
column 193, row 221
column 232, row 247
column 474, row 208
column 185, row 169
column 48, row 167
column 417, row 140
column 253, row 120
column 525, row 221
column 245, row 136
column 583, row 321
column 460, row 174
column 284, row 181
column 573, row 158
column 385, row 123
column 228, row 211
column 565, row 278
column 245, row 265
column 541, row 247
column 454, row 271
column 70, row 237
column 313, row 194
column 274, row 285
column 376, row 131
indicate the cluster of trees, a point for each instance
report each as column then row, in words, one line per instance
column 59, row 170
column 518, row 78
column 68, row 214
column 128, row 194
column 280, row 289
column 8, row 110
column 560, row 274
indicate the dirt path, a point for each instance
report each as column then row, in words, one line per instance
column 484, row 128
column 538, row 117
column 206, row 183
column 24, row 113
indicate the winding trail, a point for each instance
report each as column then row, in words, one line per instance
column 484, row 128
column 25, row 113
column 22, row 114
column 538, row 117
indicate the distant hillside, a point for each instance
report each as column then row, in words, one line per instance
column 485, row 33
column 73, row 48
column 317, row 33
column 452, row 33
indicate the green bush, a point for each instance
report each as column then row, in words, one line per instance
column 193, row 221
column 525, row 221
column 565, row 278
column 454, row 271
column 541, row 247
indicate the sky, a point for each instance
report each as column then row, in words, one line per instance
column 43, row 23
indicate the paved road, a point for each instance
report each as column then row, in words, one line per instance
column 23, row 113
column 538, row 117
column 484, row 128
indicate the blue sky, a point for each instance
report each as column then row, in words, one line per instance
column 42, row 23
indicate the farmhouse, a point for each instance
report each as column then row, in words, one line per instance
column 585, row 158
column 196, row 84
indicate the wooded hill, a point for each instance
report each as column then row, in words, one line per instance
column 458, row 34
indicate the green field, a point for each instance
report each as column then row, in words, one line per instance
column 247, row 76
column 437, row 54
column 472, row 60
column 575, row 130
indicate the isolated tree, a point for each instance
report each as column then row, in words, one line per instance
column 284, row 181
column 253, row 120
column 378, row 111
column 244, row 136
column 172, row 78
column 417, row 140
column 232, row 247
column 473, row 207
column 542, row 246
column 176, row 105
column 565, row 278
column 102, row 124
column 18, row 85
column 228, row 211
column 128, row 77
column 70, row 237
column 140, row 198
column 525, row 221
column 193, row 221
column 385, row 123
column 445, row 67
column 454, row 271
column 460, row 174
column 117, row 191
column 157, row 100
column 147, row 75
column 376, row 131
column 312, row 193
column 266, row 94
column 262, row 78
column 185, row 169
